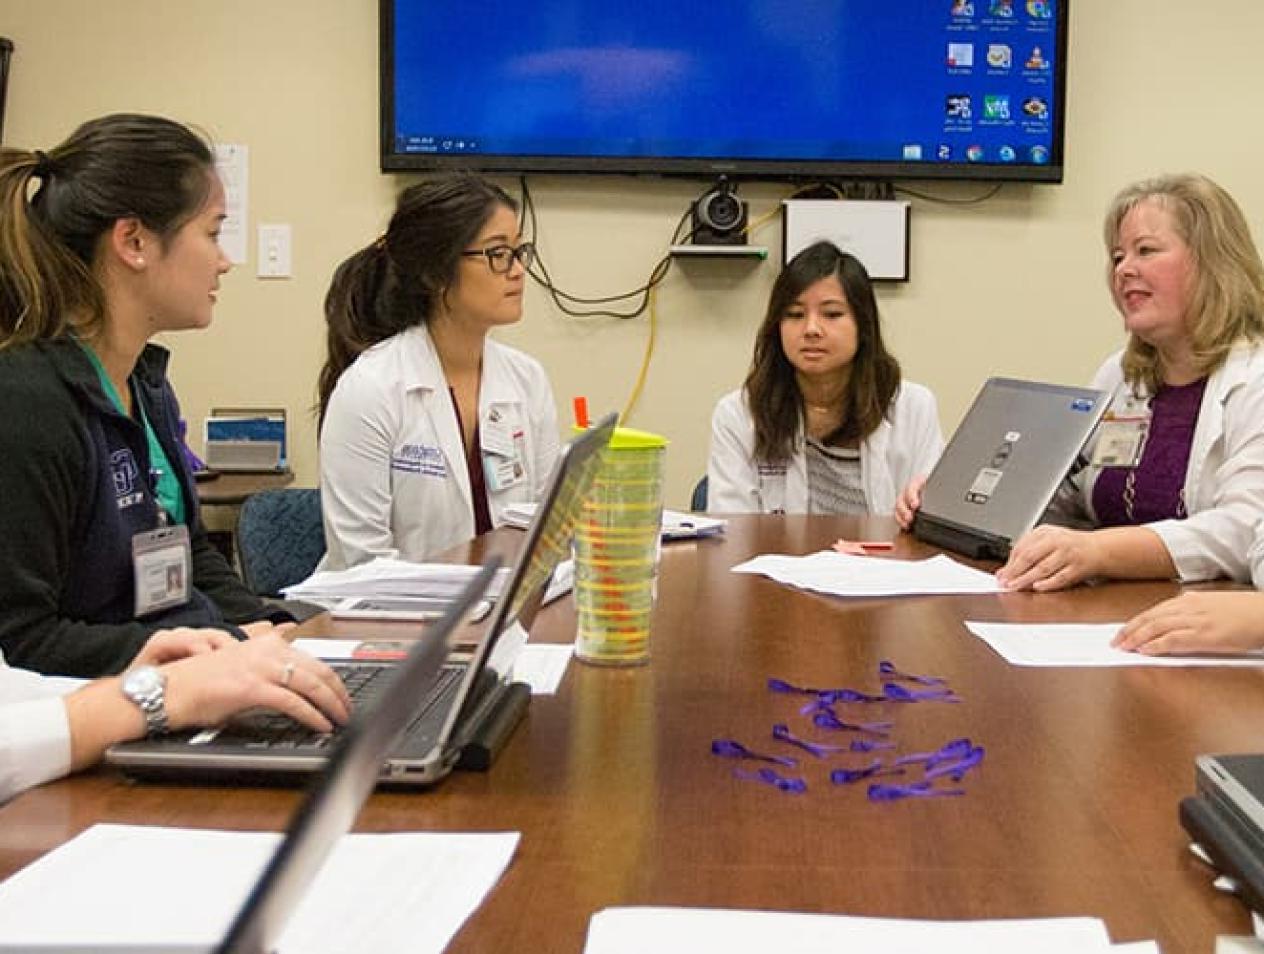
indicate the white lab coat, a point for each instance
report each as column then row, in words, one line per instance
column 1224, row 482
column 905, row 445
column 394, row 481
column 34, row 730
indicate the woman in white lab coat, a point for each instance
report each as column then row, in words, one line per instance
column 824, row 423
column 430, row 429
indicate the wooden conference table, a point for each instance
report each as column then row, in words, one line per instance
column 1074, row 811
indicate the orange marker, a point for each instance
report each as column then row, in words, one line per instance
column 581, row 411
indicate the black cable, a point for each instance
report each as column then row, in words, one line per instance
column 539, row 272
column 974, row 200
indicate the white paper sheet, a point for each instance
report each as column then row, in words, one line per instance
column 669, row 930
column 130, row 885
column 1082, row 644
column 840, row 574
column 387, row 577
column 542, row 666
column 328, row 648
column 677, row 525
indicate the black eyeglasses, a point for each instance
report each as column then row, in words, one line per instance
column 500, row 258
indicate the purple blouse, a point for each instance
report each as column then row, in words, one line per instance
column 1156, row 486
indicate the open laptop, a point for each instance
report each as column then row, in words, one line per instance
column 1018, row 441
column 331, row 805
column 465, row 717
column 1226, row 818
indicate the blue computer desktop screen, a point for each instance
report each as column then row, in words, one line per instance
column 851, row 80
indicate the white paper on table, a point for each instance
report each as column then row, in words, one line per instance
column 542, row 666
column 1082, row 644
column 389, row 577
column 668, row 930
column 677, row 525
column 407, row 891
column 841, row 574
column 328, row 648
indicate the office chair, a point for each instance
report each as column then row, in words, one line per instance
column 698, row 502
column 280, row 538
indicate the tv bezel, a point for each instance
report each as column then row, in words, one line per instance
column 710, row 168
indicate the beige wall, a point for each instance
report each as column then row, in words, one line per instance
column 1012, row 285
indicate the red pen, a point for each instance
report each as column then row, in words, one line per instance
column 876, row 544
column 581, row 411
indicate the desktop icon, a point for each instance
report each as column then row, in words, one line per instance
column 1037, row 60
column 1036, row 107
column 1001, row 8
column 974, row 153
column 1007, row 154
column 1039, row 9
column 962, row 8
column 996, row 106
column 944, row 152
column 961, row 54
column 1039, row 155
column 957, row 106
column 912, row 152
column 999, row 56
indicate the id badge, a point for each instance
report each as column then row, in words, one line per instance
column 502, row 473
column 1120, row 441
column 161, row 562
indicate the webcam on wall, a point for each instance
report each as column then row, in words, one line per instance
column 719, row 217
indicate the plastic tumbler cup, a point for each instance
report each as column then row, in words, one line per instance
column 617, row 542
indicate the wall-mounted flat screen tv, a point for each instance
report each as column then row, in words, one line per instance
column 960, row 89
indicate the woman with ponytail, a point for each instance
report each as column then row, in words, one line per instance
column 105, row 241
column 430, row 429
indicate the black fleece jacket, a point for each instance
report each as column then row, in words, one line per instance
column 74, row 490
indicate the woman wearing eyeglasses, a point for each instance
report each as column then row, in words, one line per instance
column 430, row 429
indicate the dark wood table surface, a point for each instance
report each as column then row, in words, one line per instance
column 228, row 489
column 1074, row 811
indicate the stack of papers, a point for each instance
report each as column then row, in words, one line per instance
column 1082, row 644
column 668, row 930
column 409, row 891
column 840, row 574
column 677, row 525
column 388, row 577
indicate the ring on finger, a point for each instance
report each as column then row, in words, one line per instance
column 287, row 674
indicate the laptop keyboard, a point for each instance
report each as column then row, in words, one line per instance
column 269, row 730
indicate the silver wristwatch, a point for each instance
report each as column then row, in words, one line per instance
column 147, row 687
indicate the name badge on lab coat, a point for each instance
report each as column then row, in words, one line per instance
column 504, row 449
column 1120, row 441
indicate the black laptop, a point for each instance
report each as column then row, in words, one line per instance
column 1226, row 818
column 466, row 715
column 1018, row 441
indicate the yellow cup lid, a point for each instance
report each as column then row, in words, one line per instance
column 629, row 438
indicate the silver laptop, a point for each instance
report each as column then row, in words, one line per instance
column 1226, row 818
column 465, row 717
column 1018, row 441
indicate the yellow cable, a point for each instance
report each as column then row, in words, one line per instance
column 645, row 362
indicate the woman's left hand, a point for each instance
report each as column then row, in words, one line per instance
column 1051, row 558
column 168, row 645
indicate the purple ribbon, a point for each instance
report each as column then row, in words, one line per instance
column 870, row 745
column 955, row 769
column 893, row 793
column 781, row 732
column 827, row 718
column 874, row 768
column 894, row 692
column 887, row 668
column 730, row 749
column 770, row 777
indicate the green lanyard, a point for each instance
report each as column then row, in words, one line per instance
column 166, row 485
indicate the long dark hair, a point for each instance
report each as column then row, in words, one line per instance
column 771, row 389
column 116, row 167
column 398, row 280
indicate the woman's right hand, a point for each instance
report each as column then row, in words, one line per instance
column 265, row 671
column 909, row 502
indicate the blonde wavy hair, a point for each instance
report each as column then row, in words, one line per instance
column 1227, row 303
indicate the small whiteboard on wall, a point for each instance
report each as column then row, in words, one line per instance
column 875, row 232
